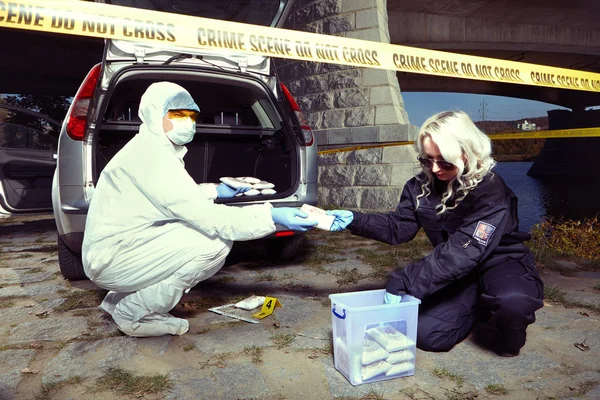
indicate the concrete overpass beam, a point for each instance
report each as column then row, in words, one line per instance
column 459, row 32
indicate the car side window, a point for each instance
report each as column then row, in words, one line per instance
column 19, row 130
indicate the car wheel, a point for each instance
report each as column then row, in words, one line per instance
column 70, row 262
column 284, row 249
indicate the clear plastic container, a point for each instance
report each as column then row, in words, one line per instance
column 360, row 322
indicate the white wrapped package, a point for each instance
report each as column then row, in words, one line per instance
column 372, row 352
column 252, row 192
column 263, row 185
column 268, row 191
column 319, row 215
column 249, row 179
column 399, row 356
column 235, row 183
column 250, row 303
column 397, row 369
column 389, row 338
column 371, row 370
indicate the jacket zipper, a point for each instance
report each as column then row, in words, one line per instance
column 466, row 244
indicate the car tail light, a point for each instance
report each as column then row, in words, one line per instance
column 306, row 133
column 284, row 233
column 78, row 117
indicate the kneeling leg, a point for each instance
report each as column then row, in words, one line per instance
column 512, row 295
column 446, row 318
column 145, row 312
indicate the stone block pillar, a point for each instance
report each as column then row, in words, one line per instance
column 348, row 106
column 365, row 180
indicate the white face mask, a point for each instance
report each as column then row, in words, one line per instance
column 183, row 131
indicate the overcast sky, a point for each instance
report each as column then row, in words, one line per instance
column 421, row 105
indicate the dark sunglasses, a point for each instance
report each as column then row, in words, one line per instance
column 428, row 163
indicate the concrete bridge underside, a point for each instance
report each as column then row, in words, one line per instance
column 552, row 32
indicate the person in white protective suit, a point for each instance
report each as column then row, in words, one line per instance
column 152, row 233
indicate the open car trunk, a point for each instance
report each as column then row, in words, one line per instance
column 242, row 130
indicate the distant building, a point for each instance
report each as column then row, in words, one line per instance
column 527, row 126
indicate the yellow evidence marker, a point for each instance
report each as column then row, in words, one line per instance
column 267, row 308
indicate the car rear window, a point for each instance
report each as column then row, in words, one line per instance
column 220, row 102
column 257, row 12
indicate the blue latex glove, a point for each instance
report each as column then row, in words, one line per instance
column 342, row 219
column 287, row 216
column 226, row 192
column 389, row 298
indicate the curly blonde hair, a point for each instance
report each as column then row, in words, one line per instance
column 462, row 144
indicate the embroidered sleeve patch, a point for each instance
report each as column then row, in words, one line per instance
column 483, row 232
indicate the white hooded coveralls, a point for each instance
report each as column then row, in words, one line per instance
column 152, row 233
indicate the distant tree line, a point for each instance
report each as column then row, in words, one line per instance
column 514, row 149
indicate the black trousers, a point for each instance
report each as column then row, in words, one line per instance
column 508, row 293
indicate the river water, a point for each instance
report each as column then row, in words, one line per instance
column 571, row 199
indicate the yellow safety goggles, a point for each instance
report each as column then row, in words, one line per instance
column 180, row 114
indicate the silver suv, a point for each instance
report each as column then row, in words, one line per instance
column 250, row 124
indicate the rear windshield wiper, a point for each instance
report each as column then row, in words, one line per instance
column 183, row 56
column 177, row 57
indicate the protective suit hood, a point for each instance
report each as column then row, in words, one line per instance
column 159, row 98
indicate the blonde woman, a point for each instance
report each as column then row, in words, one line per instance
column 479, row 262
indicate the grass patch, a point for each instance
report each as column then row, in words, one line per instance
column 264, row 278
column 575, row 240
column 552, row 293
column 83, row 313
column 376, row 258
column 50, row 389
column 219, row 361
column 585, row 387
column 297, row 286
column 319, row 255
column 496, row 389
column 321, row 351
column 292, row 276
column 255, row 353
column 188, row 347
column 80, row 299
column 34, row 271
column 348, row 276
column 444, row 373
column 125, row 382
column 459, row 395
column 25, row 255
column 6, row 303
column 222, row 280
column 283, row 339
column 204, row 303
column 372, row 395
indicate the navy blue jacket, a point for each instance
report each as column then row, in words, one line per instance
column 481, row 232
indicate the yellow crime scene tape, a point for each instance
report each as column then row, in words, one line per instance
column 156, row 28
column 548, row 134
